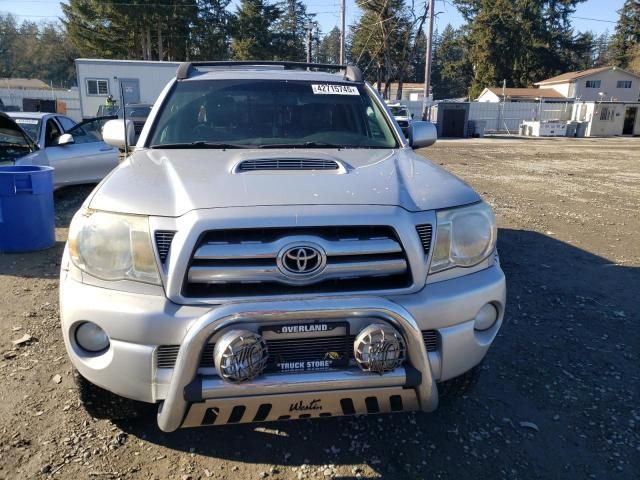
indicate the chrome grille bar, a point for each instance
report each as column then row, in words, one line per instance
column 354, row 258
column 271, row 273
column 225, row 251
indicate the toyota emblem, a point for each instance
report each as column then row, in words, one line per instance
column 301, row 260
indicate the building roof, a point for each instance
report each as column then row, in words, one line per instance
column 518, row 93
column 31, row 83
column 571, row 76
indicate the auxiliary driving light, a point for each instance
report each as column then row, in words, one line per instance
column 486, row 317
column 240, row 355
column 91, row 337
column 378, row 348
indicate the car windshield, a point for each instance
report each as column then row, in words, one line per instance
column 29, row 125
column 139, row 111
column 399, row 112
column 271, row 114
column 13, row 143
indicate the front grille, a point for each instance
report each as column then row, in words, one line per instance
column 163, row 243
column 287, row 164
column 403, row 123
column 244, row 262
column 425, row 232
column 137, row 127
column 289, row 350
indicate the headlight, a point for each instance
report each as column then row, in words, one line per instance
column 112, row 246
column 464, row 237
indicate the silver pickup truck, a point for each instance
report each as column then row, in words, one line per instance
column 274, row 249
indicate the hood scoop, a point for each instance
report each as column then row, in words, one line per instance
column 289, row 164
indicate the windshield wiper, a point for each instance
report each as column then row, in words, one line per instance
column 201, row 144
column 305, row 145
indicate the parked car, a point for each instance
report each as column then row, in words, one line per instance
column 16, row 146
column 402, row 115
column 136, row 112
column 76, row 151
column 274, row 249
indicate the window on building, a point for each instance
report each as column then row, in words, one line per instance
column 97, row 87
column 593, row 84
column 623, row 84
column 606, row 114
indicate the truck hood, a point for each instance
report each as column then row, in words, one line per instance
column 172, row 182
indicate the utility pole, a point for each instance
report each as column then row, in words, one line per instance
column 427, row 64
column 343, row 12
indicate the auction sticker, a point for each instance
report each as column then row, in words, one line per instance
column 334, row 89
column 26, row 121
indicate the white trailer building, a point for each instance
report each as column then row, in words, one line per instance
column 142, row 81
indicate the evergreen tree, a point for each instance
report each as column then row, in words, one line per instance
column 626, row 39
column 290, row 31
column 451, row 72
column 602, row 54
column 211, row 31
column 521, row 41
column 252, row 34
column 329, row 50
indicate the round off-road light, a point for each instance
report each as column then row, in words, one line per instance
column 240, row 355
column 91, row 337
column 486, row 317
column 378, row 348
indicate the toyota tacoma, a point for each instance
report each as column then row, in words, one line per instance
column 274, row 249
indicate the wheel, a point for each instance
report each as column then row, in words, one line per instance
column 103, row 404
column 461, row 385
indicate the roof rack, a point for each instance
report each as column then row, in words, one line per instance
column 351, row 72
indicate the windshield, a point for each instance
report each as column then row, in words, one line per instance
column 13, row 143
column 29, row 125
column 140, row 111
column 399, row 111
column 271, row 113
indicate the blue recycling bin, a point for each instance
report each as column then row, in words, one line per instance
column 27, row 218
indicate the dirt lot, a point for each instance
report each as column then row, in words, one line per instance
column 559, row 392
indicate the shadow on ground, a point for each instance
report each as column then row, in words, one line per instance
column 556, row 397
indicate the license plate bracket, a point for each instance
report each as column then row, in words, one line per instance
column 313, row 346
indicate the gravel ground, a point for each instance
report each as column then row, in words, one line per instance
column 558, row 394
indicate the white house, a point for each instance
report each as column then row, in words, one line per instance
column 596, row 84
column 142, row 81
column 498, row 94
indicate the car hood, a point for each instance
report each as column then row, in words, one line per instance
column 172, row 182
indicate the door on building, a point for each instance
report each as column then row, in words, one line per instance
column 130, row 90
column 629, row 120
column 453, row 123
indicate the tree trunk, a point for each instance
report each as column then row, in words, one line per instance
column 160, row 52
column 400, row 83
column 144, row 47
column 148, row 31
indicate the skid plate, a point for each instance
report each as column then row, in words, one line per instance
column 266, row 408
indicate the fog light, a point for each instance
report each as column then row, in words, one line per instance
column 240, row 355
column 378, row 348
column 486, row 317
column 91, row 337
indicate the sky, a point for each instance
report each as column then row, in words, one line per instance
column 595, row 15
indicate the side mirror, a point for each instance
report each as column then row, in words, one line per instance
column 113, row 133
column 65, row 139
column 413, row 115
column 422, row 134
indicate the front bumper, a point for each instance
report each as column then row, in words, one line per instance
column 138, row 323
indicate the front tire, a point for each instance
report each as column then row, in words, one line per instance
column 103, row 404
